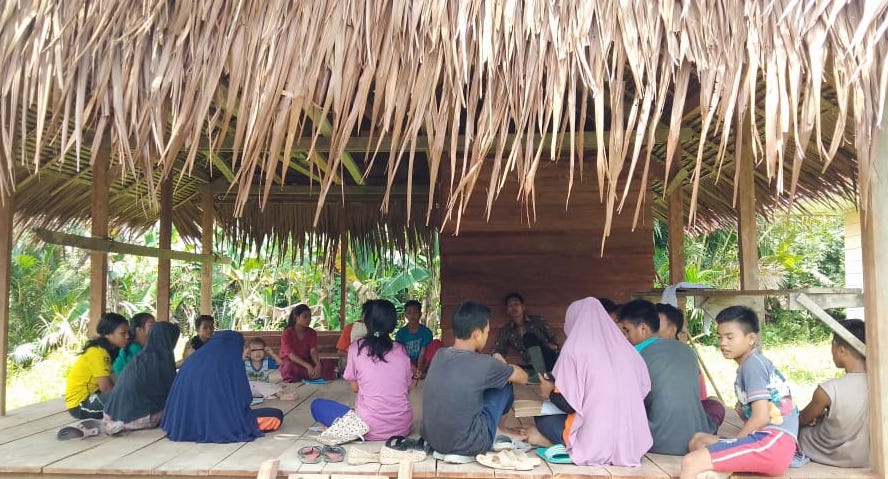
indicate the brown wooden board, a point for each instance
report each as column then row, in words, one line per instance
column 671, row 465
column 51, row 422
column 107, row 457
column 32, row 453
column 32, row 412
column 570, row 471
column 646, row 469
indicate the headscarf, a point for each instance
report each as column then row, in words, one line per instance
column 605, row 381
column 145, row 382
column 210, row 399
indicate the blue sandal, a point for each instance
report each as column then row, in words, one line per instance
column 556, row 454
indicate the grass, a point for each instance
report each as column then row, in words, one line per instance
column 804, row 365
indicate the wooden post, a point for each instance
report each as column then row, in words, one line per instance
column 206, row 247
column 7, row 211
column 343, row 265
column 676, row 235
column 166, row 237
column 747, row 228
column 874, row 237
column 98, row 261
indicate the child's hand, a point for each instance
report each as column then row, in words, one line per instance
column 267, row 350
column 546, row 386
column 499, row 357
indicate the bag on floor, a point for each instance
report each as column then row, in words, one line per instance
column 347, row 428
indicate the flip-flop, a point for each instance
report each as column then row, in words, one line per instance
column 556, row 454
column 80, row 430
column 333, row 453
column 503, row 442
column 400, row 443
column 310, row 455
column 315, row 381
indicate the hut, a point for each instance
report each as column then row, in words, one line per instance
column 539, row 138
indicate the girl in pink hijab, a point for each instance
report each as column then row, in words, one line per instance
column 601, row 381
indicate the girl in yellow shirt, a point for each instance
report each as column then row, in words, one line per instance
column 90, row 377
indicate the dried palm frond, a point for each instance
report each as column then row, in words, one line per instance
column 169, row 82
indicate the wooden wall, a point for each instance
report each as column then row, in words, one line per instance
column 552, row 261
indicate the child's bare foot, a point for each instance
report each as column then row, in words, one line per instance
column 535, row 437
column 518, row 433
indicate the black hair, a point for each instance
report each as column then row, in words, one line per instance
column 381, row 320
column 513, row 295
column 257, row 340
column 107, row 325
column 640, row 311
column 673, row 315
column 365, row 308
column 468, row 317
column 608, row 305
column 202, row 319
column 745, row 317
column 138, row 321
column 855, row 327
column 295, row 313
column 412, row 302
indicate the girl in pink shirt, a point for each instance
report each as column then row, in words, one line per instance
column 378, row 370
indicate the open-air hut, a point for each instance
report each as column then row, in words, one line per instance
column 540, row 138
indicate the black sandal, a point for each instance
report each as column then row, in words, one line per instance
column 401, row 443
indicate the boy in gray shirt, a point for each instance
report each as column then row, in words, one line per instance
column 835, row 425
column 466, row 393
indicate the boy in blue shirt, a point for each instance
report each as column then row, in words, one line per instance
column 767, row 441
column 415, row 337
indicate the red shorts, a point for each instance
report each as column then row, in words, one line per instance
column 766, row 451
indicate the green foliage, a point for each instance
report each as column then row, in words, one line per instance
column 796, row 251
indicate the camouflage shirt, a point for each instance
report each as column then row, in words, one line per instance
column 510, row 337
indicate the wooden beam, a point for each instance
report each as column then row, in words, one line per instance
column 165, row 242
column 206, row 248
column 110, row 246
column 7, row 212
column 676, row 236
column 874, row 237
column 831, row 323
column 98, row 260
column 747, row 227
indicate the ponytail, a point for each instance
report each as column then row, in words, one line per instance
column 381, row 318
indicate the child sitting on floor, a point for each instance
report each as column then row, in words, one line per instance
column 767, row 441
column 204, row 325
column 835, row 425
column 467, row 393
column 415, row 337
column 260, row 361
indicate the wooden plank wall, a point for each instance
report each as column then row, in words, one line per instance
column 552, row 261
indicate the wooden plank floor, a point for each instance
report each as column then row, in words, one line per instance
column 29, row 449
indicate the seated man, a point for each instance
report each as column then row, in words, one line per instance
column 671, row 327
column 835, row 424
column 673, row 406
column 415, row 337
column 524, row 332
column 466, row 393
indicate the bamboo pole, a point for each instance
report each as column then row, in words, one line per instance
column 98, row 261
column 7, row 212
column 166, row 237
column 206, row 248
column 343, row 264
column 874, row 237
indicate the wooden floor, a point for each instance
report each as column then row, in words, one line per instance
column 29, row 448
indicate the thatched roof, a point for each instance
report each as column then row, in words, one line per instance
column 364, row 96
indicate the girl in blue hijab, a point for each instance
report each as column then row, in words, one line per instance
column 210, row 399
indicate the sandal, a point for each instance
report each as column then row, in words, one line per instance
column 400, row 448
column 333, row 453
column 357, row 456
column 556, row 454
column 503, row 442
column 310, row 455
column 503, row 460
column 80, row 430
